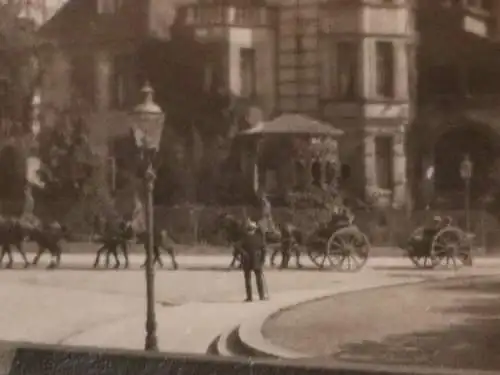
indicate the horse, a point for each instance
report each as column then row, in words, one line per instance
column 234, row 231
column 114, row 237
column 12, row 233
column 48, row 237
column 119, row 236
column 161, row 240
column 291, row 241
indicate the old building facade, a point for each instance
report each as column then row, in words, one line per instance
column 352, row 63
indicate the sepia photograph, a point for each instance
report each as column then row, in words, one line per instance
column 249, row 187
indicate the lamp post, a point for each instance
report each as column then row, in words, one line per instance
column 466, row 174
column 147, row 126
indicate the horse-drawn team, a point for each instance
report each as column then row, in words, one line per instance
column 337, row 244
column 112, row 236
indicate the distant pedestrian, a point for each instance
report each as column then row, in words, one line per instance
column 253, row 252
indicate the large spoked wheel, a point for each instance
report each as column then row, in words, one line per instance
column 418, row 251
column 450, row 248
column 347, row 250
column 316, row 250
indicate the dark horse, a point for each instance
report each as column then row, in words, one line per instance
column 290, row 239
column 113, row 236
column 234, row 231
column 12, row 233
column 48, row 237
column 161, row 240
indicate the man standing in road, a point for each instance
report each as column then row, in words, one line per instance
column 252, row 259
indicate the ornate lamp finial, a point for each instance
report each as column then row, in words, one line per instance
column 147, row 92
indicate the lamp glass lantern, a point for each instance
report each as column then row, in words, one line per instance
column 466, row 168
column 148, row 119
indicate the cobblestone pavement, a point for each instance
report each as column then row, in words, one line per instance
column 453, row 323
column 80, row 306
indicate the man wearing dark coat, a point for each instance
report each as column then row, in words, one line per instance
column 253, row 251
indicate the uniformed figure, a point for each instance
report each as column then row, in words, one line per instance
column 432, row 229
column 341, row 218
column 252, row 259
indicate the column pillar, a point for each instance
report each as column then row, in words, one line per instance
column 369, row 166
column 234, row 66
column 366, row 68
column 399, row 170
column 103, row 63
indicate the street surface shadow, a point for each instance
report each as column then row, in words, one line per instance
column 135, row 268
column 470, row 344
column 409, row 267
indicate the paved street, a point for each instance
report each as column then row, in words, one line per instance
column 80, row 306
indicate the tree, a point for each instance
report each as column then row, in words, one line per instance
column 67, row 161
column 19, row 63
column 196, row 113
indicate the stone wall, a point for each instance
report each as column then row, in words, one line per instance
column 29, row 359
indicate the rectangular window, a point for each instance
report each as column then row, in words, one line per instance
column 383, row 159
column 346, row 69
column 123, row 81
column 412, row 71
column 215, row 70
column 248, row 73
column 385, row 69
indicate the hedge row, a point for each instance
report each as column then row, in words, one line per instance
column 196, row 224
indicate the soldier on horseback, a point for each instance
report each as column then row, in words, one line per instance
column 161, row 240
column 48, row 236
column 115, row 235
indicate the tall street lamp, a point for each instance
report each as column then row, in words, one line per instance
column 147, row 126
column 466, row 174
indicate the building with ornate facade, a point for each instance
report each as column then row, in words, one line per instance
column 351, row 63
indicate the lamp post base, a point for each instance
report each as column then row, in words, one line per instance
column 151, row 344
